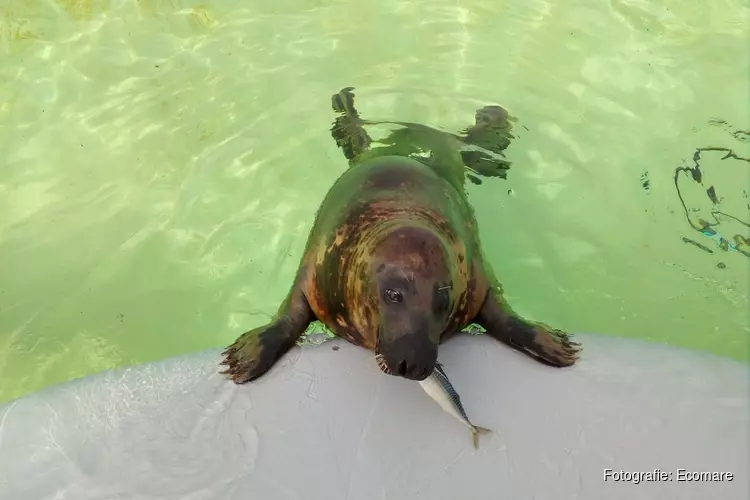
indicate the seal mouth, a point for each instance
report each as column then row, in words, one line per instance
column 380, row 360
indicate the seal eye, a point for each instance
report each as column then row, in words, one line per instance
column 394, row 295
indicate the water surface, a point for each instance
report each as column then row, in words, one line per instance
column 162, row 161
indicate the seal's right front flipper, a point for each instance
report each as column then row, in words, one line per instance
column 347, row 129
column 256, row 351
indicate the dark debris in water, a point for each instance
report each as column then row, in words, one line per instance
column 711, row 219
column 645, row 182
column 696, row 244
column 711, row 192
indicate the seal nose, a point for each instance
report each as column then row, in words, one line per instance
column 416, row 371
column 411, row 352
column 411, row 358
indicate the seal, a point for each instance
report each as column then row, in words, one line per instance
column 393, row 262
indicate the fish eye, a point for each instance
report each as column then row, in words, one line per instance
column 394, row 296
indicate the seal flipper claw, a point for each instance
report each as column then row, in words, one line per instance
column 256, row 351
column 545, row 344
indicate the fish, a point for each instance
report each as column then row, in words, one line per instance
column 439, row 388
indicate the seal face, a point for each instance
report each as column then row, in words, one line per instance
column 393, row 261
column 412, row 283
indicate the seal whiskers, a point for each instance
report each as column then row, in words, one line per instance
column 380, row 360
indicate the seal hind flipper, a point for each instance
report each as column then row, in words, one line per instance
column 545, row 344
column 480, row 148
column 256, row 351
column 490, row 136
column 347, row 129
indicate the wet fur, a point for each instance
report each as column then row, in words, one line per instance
column 333, row 283
column 370, row 199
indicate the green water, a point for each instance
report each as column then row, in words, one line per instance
column 161, row 162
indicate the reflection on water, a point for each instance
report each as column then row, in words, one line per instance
column 162, row 161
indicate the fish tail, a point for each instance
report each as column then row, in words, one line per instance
column 475, row 432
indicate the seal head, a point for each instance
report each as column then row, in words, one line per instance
column 412, row 280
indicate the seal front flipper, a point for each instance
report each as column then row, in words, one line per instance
column 347, row 129
column 256, row 351
column 547, row 345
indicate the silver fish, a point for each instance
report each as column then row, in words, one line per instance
column 440, row 389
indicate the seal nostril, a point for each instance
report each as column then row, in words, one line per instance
column 402, row 368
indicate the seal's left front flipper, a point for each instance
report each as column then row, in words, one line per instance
column 545, row 344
